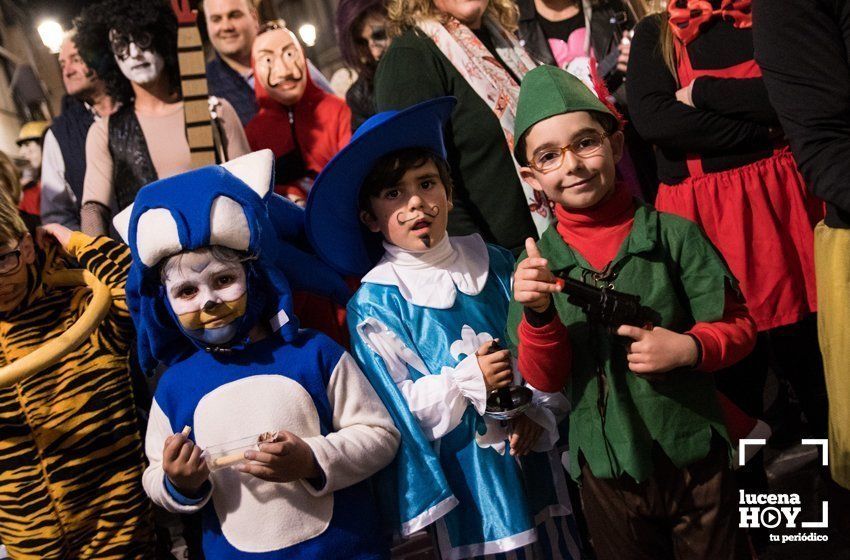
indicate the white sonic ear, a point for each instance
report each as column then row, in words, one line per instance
column 157, row 236
column 228, row 224
column 255, row 170
column 121, row 221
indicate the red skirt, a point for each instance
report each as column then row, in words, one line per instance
column 761, row 218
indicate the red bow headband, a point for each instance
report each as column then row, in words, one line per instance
column 687, row 16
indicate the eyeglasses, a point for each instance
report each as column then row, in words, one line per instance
column 120, row 42
column 550, row 159
column 11, row 261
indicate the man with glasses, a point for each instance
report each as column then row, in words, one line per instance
column 71, row 451
column 134, row 47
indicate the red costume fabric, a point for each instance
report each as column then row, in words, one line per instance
column 598, row 232
column 759, row 216
column 31, row 199
column 322, row 124
column 687, row 16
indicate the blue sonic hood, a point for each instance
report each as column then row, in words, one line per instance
column 232, row 205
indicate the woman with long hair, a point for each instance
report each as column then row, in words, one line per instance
column 361, row 30
column 696, row 92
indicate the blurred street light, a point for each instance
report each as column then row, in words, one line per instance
column 51, row 34
column 307, row 32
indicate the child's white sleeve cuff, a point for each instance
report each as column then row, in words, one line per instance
column 154, row 479
column 469, row 380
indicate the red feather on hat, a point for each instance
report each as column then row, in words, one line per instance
column 604, row 95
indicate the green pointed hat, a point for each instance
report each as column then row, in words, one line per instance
column 547, row 91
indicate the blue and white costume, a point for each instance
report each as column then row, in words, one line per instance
column 415, row 326
column 416, row 323
column 293, row 380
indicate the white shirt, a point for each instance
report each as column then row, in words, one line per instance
column 59, row 204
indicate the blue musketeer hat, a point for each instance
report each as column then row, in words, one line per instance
column 333, row 219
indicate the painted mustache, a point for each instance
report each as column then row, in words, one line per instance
column 216, row 316
column 296, row 77
column 435, row 211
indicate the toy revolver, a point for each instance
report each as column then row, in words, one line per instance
column 606, row 306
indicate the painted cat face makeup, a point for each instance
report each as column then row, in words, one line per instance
column 207, row 295
column 135, row 57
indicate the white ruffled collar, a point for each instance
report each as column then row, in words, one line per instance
column 432, row 278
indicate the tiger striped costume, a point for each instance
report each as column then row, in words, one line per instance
column 70, row 451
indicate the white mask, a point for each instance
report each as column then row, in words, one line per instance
column 207, row 296
column 141, row 66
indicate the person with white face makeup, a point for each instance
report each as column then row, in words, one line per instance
column 133, row 47
column 134, row 56
column 30, row 141
column 207, row 291
column 212, row 303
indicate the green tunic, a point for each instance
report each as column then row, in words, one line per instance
column 675, row 270
column 487, row 196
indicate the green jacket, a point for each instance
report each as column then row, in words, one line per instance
column 675, row 270
column 487, row 196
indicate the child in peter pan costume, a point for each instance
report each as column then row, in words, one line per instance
column 421, row 327
column 211, row 300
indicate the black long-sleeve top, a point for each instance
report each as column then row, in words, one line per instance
column 731, row 123
column 802, row 47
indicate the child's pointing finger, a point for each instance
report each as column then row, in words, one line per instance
column 534, row 262
column 531, row 248
column 635, row 333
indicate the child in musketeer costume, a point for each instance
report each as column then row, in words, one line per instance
column 422, row 326
column 209, row 290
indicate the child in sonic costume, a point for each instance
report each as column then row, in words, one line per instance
column 421, row 326
column 211, row 302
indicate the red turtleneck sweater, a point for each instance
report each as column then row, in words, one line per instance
column 597, row 234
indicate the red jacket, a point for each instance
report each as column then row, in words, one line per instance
column 322, row 125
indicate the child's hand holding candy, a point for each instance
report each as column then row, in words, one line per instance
column 183, row 464
column 284, row 459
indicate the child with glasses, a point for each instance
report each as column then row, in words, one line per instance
column 647, row 436
column 71, row 450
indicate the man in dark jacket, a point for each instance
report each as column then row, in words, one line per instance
column 232, row 26
column 63, row 166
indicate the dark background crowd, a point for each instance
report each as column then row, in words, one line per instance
column 737, row 118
